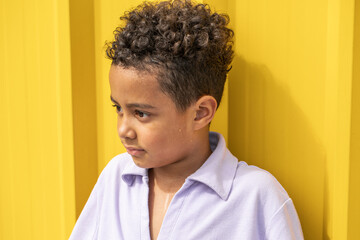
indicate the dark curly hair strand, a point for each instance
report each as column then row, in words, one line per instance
column 188, row 46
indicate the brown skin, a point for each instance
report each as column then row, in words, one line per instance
column 171, row 143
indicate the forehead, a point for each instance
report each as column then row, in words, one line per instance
column 130, row 85
column 121, row 76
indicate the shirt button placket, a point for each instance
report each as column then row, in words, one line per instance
column 144, row 223
column 173, row 213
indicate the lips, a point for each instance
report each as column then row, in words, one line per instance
column 133, row 151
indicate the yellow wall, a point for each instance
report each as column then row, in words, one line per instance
column 36, row 144
column 290, row 107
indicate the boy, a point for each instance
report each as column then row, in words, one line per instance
column 177, row 180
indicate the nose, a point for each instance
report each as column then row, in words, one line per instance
column 125, row 128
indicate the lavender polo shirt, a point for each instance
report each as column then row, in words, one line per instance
column 224, row 199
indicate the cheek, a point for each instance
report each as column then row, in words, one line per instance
column 168, row 141
column 164, row 136
column 157, row 140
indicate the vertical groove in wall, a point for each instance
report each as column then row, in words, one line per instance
column 84, row 98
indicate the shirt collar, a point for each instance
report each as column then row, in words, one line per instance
column 219, row 169
column 131, row 171
column 217, row 172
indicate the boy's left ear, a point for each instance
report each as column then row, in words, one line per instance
column 205, row 110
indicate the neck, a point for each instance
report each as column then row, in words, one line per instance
column 171, row 177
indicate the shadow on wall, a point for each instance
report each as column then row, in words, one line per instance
column 268, row 129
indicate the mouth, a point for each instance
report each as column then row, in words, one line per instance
column 135, row 152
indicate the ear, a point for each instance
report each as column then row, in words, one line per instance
column 205, row 108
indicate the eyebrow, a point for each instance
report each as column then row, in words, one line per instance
column 134, row 105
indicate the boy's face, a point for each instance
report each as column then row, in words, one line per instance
column 153, row 131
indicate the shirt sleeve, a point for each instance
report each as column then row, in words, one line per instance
column 87, row 223
column 285, row 224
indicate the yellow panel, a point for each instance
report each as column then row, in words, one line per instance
column 337, row 117
column 354, row 180
column 36, row 187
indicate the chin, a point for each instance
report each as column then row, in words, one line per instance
column 140, row 163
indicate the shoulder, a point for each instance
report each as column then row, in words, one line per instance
column 259, row 180
column 259, row 187
column 259, row 191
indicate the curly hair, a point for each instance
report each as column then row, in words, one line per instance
column 189, row 47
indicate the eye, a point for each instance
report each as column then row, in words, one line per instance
column 141, row 114
column 118, row 108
